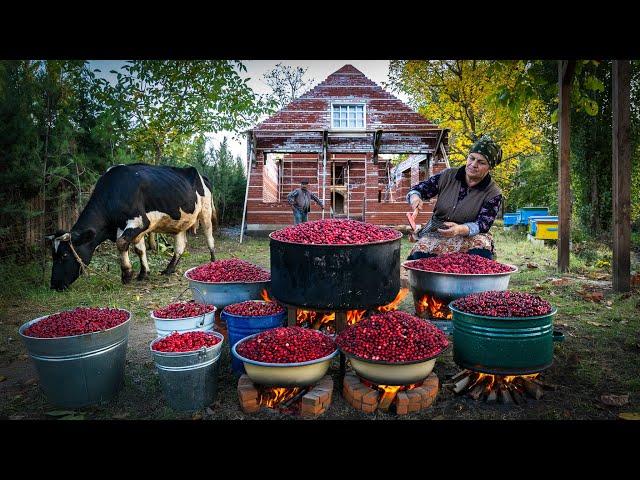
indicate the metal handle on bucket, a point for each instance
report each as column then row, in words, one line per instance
column 558, row 336
column 200, row 292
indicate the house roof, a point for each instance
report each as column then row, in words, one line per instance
column 299, row 126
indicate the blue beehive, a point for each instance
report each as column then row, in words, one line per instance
column 526, row 212
column 510, row 219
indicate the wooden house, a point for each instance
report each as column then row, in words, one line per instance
column 339, row 137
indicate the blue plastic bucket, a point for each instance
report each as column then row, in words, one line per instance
column 239, row 327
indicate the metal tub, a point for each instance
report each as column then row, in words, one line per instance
column 503, row 345
column 189, row 379
column 299, row 374
column 341, row 277
column 79, row 370
column 200, row 323
column 222, row 294
column 393, row 374
column 451, row 286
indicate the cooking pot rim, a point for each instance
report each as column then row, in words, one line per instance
column 347, row 245
column 382, row 362
column 514, row 270
column 553, row 311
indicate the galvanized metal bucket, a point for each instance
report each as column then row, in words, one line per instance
column 201, row 323
column 222, row 294
column 79, row 370
column 189, row 379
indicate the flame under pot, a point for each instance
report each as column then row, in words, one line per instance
column 341, row 277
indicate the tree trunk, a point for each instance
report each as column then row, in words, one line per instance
column 595, row 202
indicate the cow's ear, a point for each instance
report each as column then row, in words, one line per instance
column 83, row 237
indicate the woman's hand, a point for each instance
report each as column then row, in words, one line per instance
column 416, row 201
column 453, row 229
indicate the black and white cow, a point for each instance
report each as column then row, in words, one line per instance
column 128, row 202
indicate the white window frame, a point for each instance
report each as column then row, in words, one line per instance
column 364, row 117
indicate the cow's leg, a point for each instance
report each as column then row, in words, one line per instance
column 178, row 248
column 207, row 228
column 141, row 250
column 125, row 264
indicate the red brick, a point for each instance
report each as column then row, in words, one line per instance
column 431, row 382
column 250, row 406
column 402, row 399
column 370, row 398
column 245, row 380
column 414, row 397
column 402, row 410
column 311, row 399
column 247, row 393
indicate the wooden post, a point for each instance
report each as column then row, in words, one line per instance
column 565, row 74
column 621, row 178
column 325, row 142
column 250, row 153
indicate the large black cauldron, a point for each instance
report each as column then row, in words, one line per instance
column 340, row 277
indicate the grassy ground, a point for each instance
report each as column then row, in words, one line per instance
column 600, row 354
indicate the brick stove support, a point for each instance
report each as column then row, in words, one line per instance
column 315, row 402
column 367, row 399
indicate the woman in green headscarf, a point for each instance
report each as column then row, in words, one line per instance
column 468, row 203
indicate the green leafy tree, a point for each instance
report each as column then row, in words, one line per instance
column 172, row 101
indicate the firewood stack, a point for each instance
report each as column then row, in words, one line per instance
column 506, row 390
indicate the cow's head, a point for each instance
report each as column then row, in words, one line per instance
column 66, row 268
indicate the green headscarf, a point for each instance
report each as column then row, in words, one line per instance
column 489, row 149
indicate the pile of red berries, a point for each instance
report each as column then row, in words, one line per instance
column 183, row 310
column 503, row 304
column 393, row 337
column 254, row 308
column 230, row 270
column 459, row 263
column 185, row 342
column 78, row 321
column 287, row 345
column 335, row 232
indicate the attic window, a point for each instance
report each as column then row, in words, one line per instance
column 347, row 115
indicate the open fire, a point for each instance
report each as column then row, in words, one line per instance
column 369, row 397
column 307, row 401
column 505, row 389
column 389, row 392
column 280, row 397
column 431, row 307
column 325, row 321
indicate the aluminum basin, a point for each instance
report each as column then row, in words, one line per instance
column 299, row 374
column 394, row 374
column 222, row 294
column 200, row 323
column 451, row 286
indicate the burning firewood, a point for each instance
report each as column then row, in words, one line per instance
column 532, row 389
column 517, row 396
column 503, row 395
column 461, row 384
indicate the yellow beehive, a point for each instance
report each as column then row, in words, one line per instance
column 546, row 229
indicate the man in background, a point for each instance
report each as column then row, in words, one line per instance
column 300, row 201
